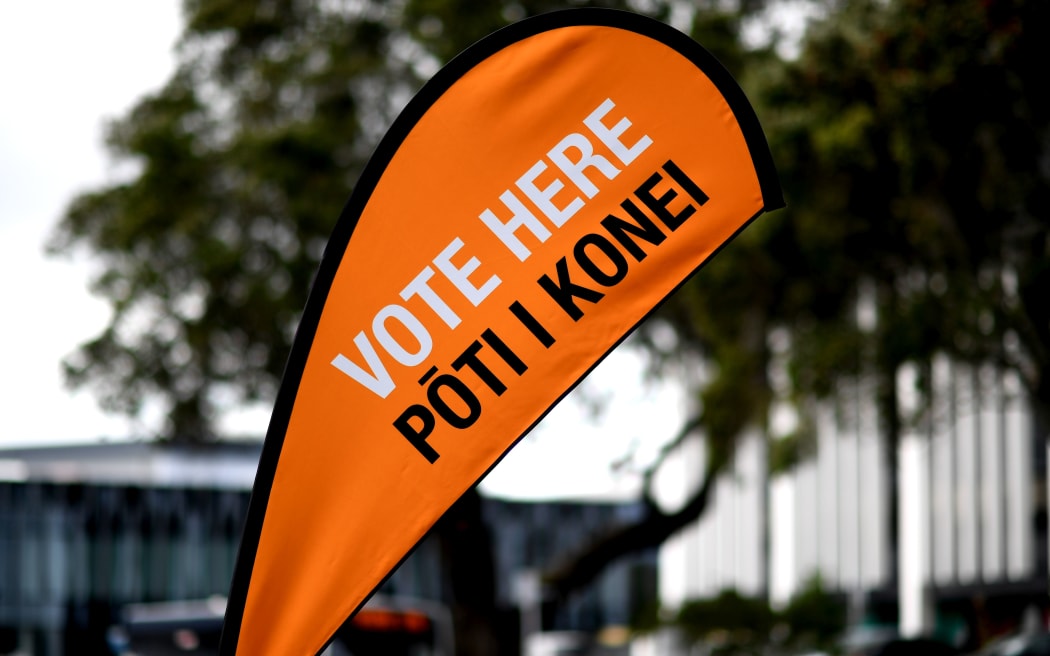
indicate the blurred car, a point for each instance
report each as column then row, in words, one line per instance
column 1021, row 644
column 912, row 647
column 885, row 641
column 556, row 643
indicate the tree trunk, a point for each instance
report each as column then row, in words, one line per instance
column 648, row 533
column 467, row 553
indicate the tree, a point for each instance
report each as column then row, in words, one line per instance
column 912, row 143
column 243, row 161
column 924, row 207
column 730, row 623
column 906, row 197
column 916, row 199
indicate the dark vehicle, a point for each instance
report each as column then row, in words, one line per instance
column 386, row 626
column 1022, row 644
column 885, row 640
column 912, row 647
column 172, row 628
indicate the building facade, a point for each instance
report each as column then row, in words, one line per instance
column 961, row 553
column 86, row 531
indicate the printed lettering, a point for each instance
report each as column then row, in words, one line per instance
column 412, row 325
column 644, row 228
column 521, row 217
column 460, row 276
column 470, row 360
column 535, row 327
column 504, row 351
column 591, row 268
column 468, row 402
column 611, row 136
column 416, row 424
column 376, row 379
column 544, row 198
column 588, row 159
column 419, row 287
column 564, row 291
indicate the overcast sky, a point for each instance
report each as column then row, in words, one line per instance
column 65, row 67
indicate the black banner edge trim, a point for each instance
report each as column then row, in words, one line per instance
column 422, row 101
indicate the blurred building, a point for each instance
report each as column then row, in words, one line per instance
column 530, row 536
column 86, row 531
column 964, row 558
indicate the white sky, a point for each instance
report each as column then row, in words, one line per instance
column 66, row 67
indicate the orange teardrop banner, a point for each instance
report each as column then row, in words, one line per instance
column 537, row 199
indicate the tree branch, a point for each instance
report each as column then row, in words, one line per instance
column 649, row 532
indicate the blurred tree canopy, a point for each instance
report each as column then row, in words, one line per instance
column 914, row 148
column 732, row 624
column 911, row 138
column 913, row 142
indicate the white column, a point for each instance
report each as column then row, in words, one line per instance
column 993, row 485
column 783, row 525
column 914, row 574
column 1018, row 434
column 914, row 536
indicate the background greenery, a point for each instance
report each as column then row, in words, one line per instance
column 911, row 139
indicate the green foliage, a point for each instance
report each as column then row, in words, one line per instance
column 787, row 451
column 243, row 161
column 645, row 618
column 911, row 138
column 814, row 618
column 912, row 142
column 916, row 193
column 731, row 624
